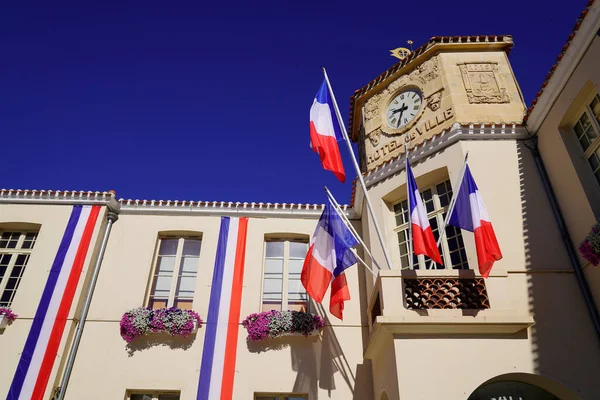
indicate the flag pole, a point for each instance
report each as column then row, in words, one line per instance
column 358, row 172
column 452, row 203
column 410, row 239
column 349, row 225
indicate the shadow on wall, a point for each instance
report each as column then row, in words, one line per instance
column 159, row 339
column 316, row 359
column 564, row 345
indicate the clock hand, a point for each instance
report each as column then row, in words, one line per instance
column 401, row 109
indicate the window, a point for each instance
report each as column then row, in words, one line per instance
column 15, row 250
column 587, row 129
column 175, row 272
column 280, row 396
column 152, row 395
column 282, row 289
column 436, row 200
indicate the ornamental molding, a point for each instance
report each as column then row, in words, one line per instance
column 434, row 100
column 483, row 83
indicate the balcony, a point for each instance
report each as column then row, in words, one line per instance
column 440, row 303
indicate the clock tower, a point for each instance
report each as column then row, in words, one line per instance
column 465, row 80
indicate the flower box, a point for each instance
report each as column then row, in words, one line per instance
column 590, row 247
column 273, row 324
column 174, row 321
column 6, row 316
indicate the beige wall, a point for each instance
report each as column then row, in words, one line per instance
column 576, row 189
column 327, row 366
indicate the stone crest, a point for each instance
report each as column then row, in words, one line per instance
column 483, row 83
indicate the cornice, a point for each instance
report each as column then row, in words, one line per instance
column 442, row 140
column 223, row 208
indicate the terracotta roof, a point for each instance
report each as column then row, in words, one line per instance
column 223, row 205
column 559, row 58
column 414, row 55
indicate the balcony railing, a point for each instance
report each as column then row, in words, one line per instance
column 445, row 293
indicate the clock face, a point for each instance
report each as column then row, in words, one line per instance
column 403, row 108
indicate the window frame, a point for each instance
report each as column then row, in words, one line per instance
column 595, row 125
column 15, row 252
column 438, row 213
column 285, row 271
column 152, row 392
column 280, row 395
column 176, row 268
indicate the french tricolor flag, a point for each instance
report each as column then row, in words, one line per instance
column 328, row 257
column 325, row 132
column 470, row 214
column 42, row 347
column 423, row 240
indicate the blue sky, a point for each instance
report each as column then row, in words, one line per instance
column 209, row 100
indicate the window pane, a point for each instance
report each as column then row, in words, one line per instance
column 165, row 264
column 14, row 279
column 444, row 191
column 189, row 264
column 273, row 266
column 272, row 288
column 275, row 249
column 595, row 106
column 295, row 266
column 403, row 245
column 140, row 397
column 295, row 397
column 191, row 247
column 162, row 286
column 9, row 240
column 296, row 290
column 168, row 247
column 401, row 212
column 428, row 200
column 184, row 304
column 456, row 246
column 29, row 241
column 585, row 131
column 186, row 286
column 298, row 249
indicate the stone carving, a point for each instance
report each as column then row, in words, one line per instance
column 483, row 83
column 427, row 71
column 372, row 106
column 398, row 83
column 434, row 100
column 374, row 137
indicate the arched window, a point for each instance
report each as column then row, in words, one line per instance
column 436, row 199
column 282, row 288
column 16, row 245
column 175, row 270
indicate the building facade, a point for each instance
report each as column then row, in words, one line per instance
column 72, row 264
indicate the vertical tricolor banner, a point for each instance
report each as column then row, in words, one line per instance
column 223, row 319
column 38, row 356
